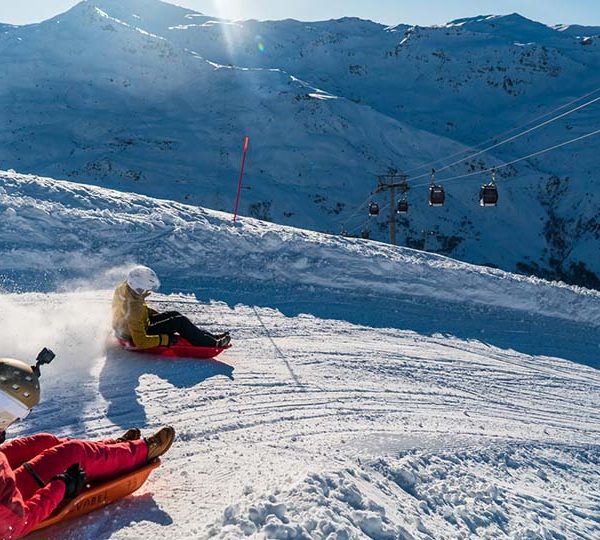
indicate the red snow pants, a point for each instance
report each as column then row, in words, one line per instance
column 49, row 456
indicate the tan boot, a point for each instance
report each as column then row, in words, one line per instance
column 160, row 442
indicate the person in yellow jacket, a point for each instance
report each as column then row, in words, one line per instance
column 134, row 321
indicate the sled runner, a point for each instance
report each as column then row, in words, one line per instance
column 181, row 349
column 99, row 495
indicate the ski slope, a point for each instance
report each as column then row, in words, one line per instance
column 372, row 392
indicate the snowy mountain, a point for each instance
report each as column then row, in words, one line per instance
column 148, row 97
column 372, row 391
column 579, row 31
column 188, row 124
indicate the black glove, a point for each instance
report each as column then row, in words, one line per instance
column 2, row 436
column 74, row 479
column 173, row 338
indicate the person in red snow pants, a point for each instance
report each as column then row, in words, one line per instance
column 37, row 473
column 29, row 489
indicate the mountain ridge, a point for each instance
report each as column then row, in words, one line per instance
column 328, row 106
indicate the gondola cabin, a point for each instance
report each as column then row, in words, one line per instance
column 373, row 209
column 488, row 195
column 437, row 197
column 402, row 206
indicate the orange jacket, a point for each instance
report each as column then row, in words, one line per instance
column 131, row 317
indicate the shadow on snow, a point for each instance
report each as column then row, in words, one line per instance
column 121, row 374
column 521, row 331
column 104, row 523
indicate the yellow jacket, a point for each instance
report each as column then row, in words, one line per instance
column 131, row 317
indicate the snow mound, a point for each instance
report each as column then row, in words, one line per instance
column 44, row 223
column 431, row 495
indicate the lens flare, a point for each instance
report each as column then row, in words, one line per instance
column 260, row 44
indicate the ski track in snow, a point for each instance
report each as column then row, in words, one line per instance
column 310, row 427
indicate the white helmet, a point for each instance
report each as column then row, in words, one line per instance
column 143, row 279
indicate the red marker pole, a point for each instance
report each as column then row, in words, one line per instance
column 237, row 199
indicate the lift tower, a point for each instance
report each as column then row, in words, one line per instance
column 392, row 182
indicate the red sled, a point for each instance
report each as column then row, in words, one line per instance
column 181, row 349
column 99, row 495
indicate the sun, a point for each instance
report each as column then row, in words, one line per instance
column 231, row 11
column 227, row 9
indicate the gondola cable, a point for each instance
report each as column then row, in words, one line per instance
column 495, row 137
column 534, row 154
column 496, row 145
column 489, row 170
column 514, row 137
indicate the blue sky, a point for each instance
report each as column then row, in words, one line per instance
column 387, row 11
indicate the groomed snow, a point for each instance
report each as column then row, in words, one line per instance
column 311, row 427
column 372, row 392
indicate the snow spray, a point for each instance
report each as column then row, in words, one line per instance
column 74, row 322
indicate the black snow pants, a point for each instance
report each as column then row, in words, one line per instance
column 172, row 322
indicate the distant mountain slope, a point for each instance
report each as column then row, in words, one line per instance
column 471, row 67
column 148, row 97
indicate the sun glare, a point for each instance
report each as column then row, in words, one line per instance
column 232, row 10
column 227, row 9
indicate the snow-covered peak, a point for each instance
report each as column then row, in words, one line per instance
column 92, row 44
column 148, row 14
column 83, row 19
column 158, row 101
column 513, row 27
column 577, row 30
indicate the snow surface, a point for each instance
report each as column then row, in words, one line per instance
column 372, row 392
